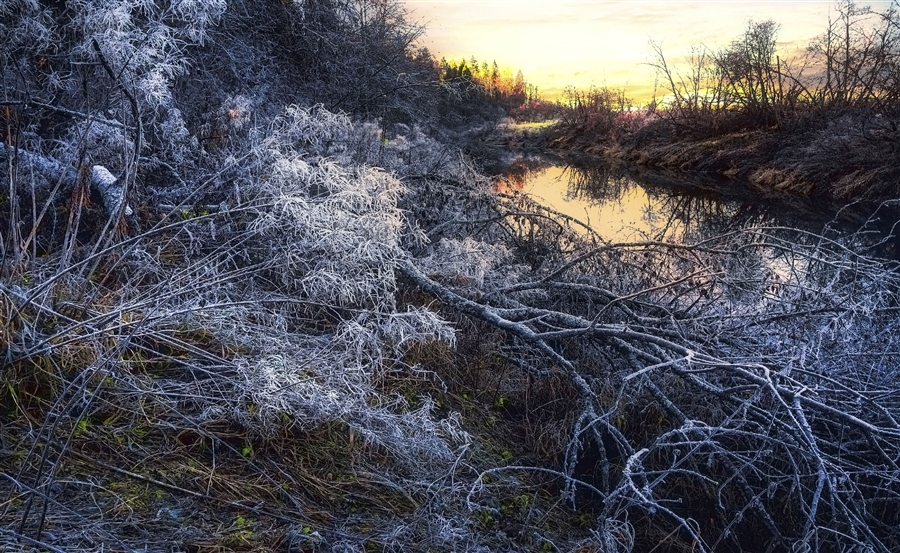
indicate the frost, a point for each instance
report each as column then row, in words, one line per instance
column 467, row 261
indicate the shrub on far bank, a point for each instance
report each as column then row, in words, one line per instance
column 598, row 116
column 852, row 68
column 823, row 124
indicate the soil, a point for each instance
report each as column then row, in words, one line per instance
column 845, row 159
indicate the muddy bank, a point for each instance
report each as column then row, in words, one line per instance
column 847, row 158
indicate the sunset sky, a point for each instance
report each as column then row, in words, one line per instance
column 604, row 43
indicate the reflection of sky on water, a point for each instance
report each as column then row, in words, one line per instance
column 632, row 214
column 622, row 210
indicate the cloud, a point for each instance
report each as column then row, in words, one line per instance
column 580, row 43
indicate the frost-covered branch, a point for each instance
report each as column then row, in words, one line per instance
column 740, row 344
column 104, row 182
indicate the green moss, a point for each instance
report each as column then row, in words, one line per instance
column 484, row 520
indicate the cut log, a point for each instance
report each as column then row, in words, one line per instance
column 110, row 188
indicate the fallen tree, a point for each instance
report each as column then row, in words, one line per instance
column 266, row 361
column 735, row 391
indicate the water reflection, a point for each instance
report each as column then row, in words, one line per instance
column 614, row 207
column 625, row 207
column 754, row 254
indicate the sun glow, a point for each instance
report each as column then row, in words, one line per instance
column 603, row 43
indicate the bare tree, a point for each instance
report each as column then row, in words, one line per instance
column 700, row 98
column 750, row 67
column 856, row 58
column 731, row 389
column 241, row 349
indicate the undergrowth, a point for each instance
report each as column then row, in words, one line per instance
column 234, row 319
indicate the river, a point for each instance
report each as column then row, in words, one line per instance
column 625, row 206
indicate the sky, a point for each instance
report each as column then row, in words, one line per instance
column 603, row 42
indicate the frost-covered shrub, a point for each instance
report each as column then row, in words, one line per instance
column 322, row 238
column 144, row 43
column 112, row 146
column 339, row 247
column 105, row 60
column 28, row 30
column 143, row 38
column 411, row 153
column 332, row 232
column 466, row 261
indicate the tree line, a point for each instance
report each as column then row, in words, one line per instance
column 853, row 65
column 489, row 80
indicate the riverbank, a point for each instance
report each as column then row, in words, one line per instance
column 271, row 305
column 833, row 157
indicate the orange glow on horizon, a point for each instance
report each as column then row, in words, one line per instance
column 603, row 42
